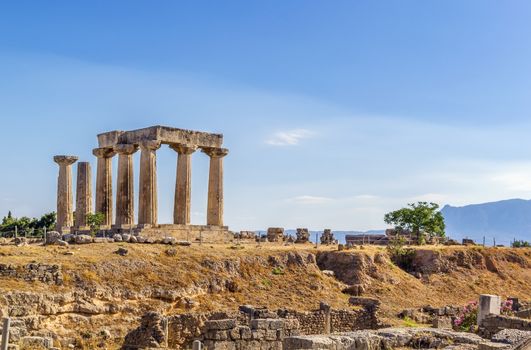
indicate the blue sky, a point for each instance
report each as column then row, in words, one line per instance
column 335, row 112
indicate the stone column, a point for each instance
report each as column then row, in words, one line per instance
column 104, row 184
column 147, row 201
column 125, row 215
column 65, row 218
column 83, row 195
column 215, row 185
column 183, row 184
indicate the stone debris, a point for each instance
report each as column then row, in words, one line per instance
column 53, row 237
column 386, row 338
column 122, row 251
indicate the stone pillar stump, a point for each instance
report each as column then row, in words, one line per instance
column 125, row 215
column 83, row 195
column 488, row 304
column 65, row 218
column 183, row 184
column 104, row 184
column 215, row 185
column 147, row 202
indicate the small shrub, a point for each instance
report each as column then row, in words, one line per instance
column 266, row 282
column 408, row 322
column 277, row 271
column 399, row 254
column 467, row 318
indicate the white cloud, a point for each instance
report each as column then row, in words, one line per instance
column 309, row 200
column 365, row 196
column 289, row 138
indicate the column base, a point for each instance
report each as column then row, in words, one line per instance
column 123, row 227
column 64, row 229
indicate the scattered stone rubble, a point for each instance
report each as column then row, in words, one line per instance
column 386, row 338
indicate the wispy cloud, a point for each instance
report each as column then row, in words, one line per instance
column 306, row 199
column 289, row 138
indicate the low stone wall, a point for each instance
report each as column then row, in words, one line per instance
column 492, row 324
column 261, row 334
column 50, row 274
column 314, row 322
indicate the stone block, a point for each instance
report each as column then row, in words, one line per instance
column 260, row 323
column 258, row 334
column 270, row 335
column 245, row 333
column 276, row 324
column 220, row 324
column 443, row 322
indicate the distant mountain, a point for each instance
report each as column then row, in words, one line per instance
column 503, row 220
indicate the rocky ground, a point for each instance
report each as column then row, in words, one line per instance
column 91, row 295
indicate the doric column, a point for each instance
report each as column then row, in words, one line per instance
column 104, row 184
column 83, row 195
column 215, row 185
column 183, row 184
column 147, row 205
column 65, row 218
column 125, row 215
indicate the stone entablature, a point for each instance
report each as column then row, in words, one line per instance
column 163, row 134
column 125, row 144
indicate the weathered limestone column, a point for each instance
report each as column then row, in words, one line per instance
column 183, row 184
column 83, row 195
column 488, row 304
column 215, row 185
column 104, row 184
column 65, row 218
column 147, row 205
column 125, row 215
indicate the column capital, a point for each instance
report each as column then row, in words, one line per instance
column 65, row 160
column 125, row 148
column 105, row 152
column 214, row 152
column 182, row 148
column 149, row 145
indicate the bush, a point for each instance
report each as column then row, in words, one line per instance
column 467, row 318
column 277, row 271
column 399, row 254
column 520, row 244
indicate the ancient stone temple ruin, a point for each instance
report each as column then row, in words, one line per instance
column 148, row 141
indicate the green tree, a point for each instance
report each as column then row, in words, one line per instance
column 520, row 244
column 94, row 221
column 420, row 219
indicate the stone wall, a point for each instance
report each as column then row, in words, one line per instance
column 492, row 324
column 50, row 274
column 313, row 322
column 242, row 329
column 260, row 334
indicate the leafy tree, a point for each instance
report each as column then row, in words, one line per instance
column 420, row 219
column 520, row 244
column 94, row 221
column 26, row 224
